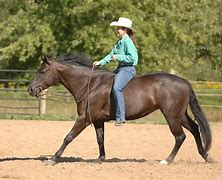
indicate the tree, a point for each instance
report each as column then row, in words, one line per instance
column 172, row 34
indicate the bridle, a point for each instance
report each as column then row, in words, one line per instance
column 59, row 78
column 43, row 83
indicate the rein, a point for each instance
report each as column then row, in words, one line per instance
column 87, row 94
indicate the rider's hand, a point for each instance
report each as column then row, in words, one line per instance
column 96, row 63
column 113, row 57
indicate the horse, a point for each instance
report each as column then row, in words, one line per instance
column 92, row 92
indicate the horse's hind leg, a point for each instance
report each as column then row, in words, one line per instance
column 177, row 131
column 99, row 127
column 79, row 125
column 190, row 125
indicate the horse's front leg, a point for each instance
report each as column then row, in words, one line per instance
column 79, row 125
column 99, row 127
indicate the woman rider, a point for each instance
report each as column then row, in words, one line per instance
column 125, row 53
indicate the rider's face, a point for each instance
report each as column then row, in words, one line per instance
column 121, row 31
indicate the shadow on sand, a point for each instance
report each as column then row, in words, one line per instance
column 72, row 159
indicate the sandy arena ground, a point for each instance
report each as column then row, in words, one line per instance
column 132, row 151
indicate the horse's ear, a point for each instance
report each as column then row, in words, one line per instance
column 46, row 59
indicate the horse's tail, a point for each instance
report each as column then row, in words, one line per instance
column 201, row 119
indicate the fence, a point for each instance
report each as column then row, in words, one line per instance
column 211, row 90
column 18, row 102
column 15, row 100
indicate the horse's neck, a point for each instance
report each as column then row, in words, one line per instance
column 74, row 79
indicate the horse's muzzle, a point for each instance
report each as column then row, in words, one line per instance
column 34, row 91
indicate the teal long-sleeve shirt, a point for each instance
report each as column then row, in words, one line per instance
column 124, row 51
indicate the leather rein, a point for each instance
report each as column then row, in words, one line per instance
column 86, row 96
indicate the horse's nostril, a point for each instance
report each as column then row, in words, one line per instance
column 39, row 89
column 29, row 89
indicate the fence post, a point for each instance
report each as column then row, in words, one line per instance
column 42, row 102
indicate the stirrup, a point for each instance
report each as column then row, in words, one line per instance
column 119, row 123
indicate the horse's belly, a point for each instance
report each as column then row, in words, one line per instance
column 139, row 106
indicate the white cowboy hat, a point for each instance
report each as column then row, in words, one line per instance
column 123, row 22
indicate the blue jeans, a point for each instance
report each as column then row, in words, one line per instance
column 123, row 75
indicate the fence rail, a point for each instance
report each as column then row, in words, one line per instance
column 9, row 107
column 17, row 70
column 14, row 80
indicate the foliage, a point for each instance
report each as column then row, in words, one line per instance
column 184, row 36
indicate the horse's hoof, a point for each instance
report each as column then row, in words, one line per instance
column 102, row 158
column 97, row 161
column 50, row 162
column 164, row 162
column 209, row 159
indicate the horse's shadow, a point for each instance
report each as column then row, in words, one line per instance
column 72, row 159
column 41, row 158
column 111, row 160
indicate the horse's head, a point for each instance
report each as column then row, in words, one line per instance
column 46, row 76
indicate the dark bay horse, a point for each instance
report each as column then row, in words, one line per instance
column 143, row 95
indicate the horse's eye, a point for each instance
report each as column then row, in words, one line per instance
column 44, row 71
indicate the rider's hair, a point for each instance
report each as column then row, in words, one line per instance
column 131, row 35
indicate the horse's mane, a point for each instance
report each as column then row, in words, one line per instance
column 79, row 59
column 75, row 59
